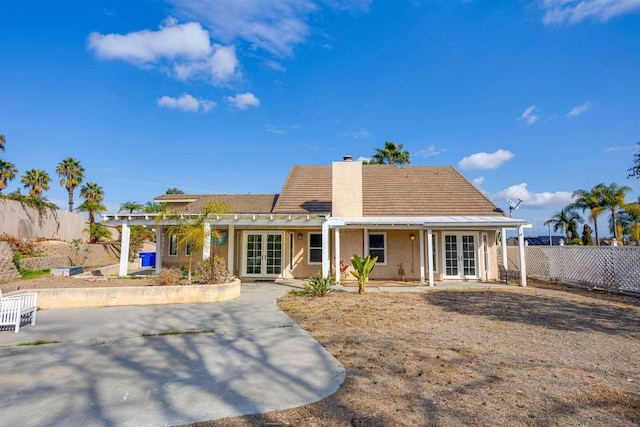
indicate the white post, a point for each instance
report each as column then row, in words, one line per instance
column 523, row 267
column 206, row 245
column 124, row 248
column 159, row 248
column 231, row 249
column 430, row 254
column 326, row 262
column 503, row 234
column 421, row 243
column 365, row 242
column 336, row 244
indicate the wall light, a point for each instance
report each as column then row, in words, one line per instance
column 299, row 236
column 412, row 237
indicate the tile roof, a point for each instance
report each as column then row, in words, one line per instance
column 240, row 203
column 388, row 190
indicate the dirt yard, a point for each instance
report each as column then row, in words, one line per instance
column 519, row 357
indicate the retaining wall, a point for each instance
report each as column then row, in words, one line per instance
column 133, row 295
column 26, row 223
column 8, row 270
column 62, row 254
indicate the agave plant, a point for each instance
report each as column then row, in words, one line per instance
column 363, row 268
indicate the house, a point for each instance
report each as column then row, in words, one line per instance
column 538, row 240
column 429, row 219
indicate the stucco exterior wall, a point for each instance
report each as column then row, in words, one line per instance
column 27, row 223
column 346, row 198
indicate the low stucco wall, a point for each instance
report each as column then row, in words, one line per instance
column 134, row 295
column 27, row 223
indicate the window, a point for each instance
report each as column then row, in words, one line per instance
column 377, row 247
column 315, row 248
column 189, row 249
column 173, row 245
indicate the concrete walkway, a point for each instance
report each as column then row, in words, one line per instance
column 249, row 358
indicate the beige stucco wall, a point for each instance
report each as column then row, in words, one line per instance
column 27, row 223
column 346, row 185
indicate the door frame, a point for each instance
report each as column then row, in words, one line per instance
column 263, row 268
column 476, row 254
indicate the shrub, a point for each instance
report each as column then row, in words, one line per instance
column 25, row 247
column 166, row 277
column 319, row 285
column 212, row 270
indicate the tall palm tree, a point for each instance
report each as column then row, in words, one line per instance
column 154, row 207
column 612, row 197
column 3, row 140
column 37, row 181
column 72, row 174
column 633, row 213
column 93, row 195
column 391, row 154
column 131, row 207
column 566, row 220
column 8, row 171
column 589, row 199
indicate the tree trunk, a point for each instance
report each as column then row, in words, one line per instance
column 361, row 285
column 71, row 200
column 595, row 228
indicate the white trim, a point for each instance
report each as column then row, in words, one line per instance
column 430, row 254
column 309, row 262
column 421, row 246
column 263, row 246
column 484, row 244
column 460, row 258
column 385, row 243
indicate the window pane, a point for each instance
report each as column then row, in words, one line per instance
column 376, row 241
column 315, row 255
column 315, row 240
column 377, row 253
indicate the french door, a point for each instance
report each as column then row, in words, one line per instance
column 263, row 254
column 460, row 256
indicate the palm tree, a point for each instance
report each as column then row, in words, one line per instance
column 131, row 207
column 37, row 181
column 391, row 154
column 72, row 174
column 589, row 199
column 153, row 207
column 93, row 195
column 3, row 140
column 8, row 172
column 566, row 220
column 612, row 197
column 633, row 214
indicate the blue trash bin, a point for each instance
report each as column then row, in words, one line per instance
column 147, row 259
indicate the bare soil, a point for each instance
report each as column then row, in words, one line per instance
column 50, row 282
column 520, row 357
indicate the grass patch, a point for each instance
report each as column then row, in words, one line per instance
column 285, row 326
column 33, row 274
column 162, row 334
column 38, row 342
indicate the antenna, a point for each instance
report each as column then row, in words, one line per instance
column 513, row 205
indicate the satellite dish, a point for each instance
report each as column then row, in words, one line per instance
column 513, row 205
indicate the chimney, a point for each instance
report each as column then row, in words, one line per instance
column 346, row 188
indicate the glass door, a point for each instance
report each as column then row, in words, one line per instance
column 460, row 256
column 263, row 254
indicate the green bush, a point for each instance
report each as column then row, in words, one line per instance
column 319, row 285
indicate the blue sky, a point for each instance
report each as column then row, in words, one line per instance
column 527, row 98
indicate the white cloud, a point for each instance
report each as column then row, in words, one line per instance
column 529, row 116
column 242, row 101
column 545, row 199
column 478, row 181
column 357, row 133
column 428, row 152
column 485, row 160
column 186, row 102
column 274, row 129
column 184, row 48
column 579, row 109
column 573, row 11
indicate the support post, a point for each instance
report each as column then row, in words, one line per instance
column 231, row 249
column 206, row 245
column 159, row 248
column 421, row 243
column 336, row 251
column 124, row 248
column 326, row 262
column 430, row 254
column 503, row 234
column 523, row 267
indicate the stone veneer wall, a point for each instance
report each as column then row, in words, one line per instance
column 8, row 269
